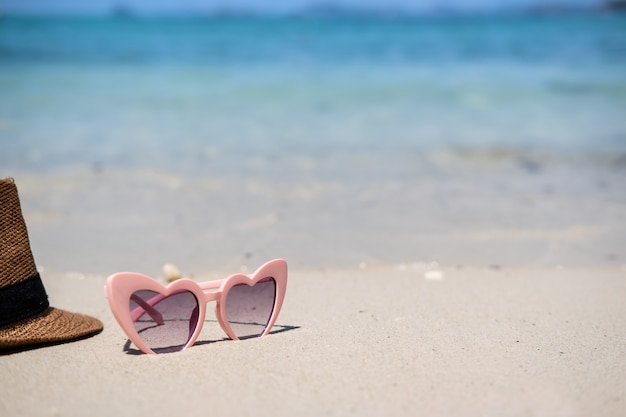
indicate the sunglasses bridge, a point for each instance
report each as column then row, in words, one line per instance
column 146, row 306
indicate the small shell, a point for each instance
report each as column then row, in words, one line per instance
column 434, row 275
column 171, row 272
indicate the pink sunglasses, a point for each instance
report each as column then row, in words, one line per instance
column 160, row 319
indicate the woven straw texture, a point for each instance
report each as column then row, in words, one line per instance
column 50, row 326
column 16, row 259
column 17, row 264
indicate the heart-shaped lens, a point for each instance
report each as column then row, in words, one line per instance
column 249, row 308
column 164, row 323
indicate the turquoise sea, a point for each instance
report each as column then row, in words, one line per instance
column 330, row 141
column 185, row 92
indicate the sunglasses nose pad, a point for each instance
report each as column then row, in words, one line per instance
column 193, row 320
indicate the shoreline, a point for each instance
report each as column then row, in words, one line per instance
column 504, row 216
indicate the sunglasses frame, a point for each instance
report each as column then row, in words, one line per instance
column 120, row 287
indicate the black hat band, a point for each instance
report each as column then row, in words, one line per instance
column 23, row 299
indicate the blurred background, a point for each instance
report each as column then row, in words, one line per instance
column 335, row 133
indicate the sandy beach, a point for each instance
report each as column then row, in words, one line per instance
column 525, row 321
column 383, row 341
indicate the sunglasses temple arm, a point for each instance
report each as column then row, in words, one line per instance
column 209, row 285
column 144, row 307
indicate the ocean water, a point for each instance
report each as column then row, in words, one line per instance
column 223, row 142
column 183, row 93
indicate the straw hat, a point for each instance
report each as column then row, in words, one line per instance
column 26, row 318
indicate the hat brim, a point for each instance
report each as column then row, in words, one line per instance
column 51, row 326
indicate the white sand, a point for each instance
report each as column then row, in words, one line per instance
column 526, row 318
column 374, row 341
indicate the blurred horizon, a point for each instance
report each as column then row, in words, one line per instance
column 368, row 8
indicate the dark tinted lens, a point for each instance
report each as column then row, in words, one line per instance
column 249, row 308
column 166, row 324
